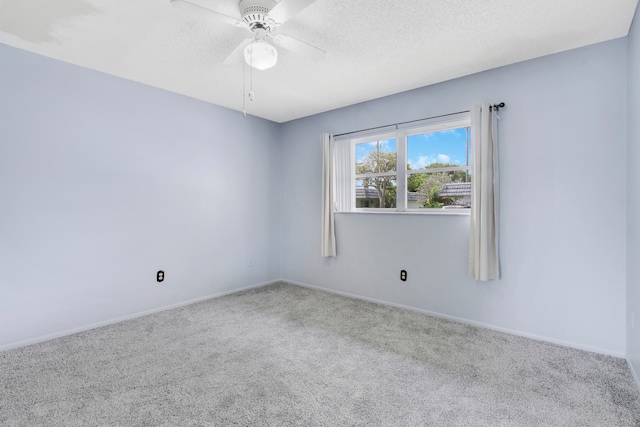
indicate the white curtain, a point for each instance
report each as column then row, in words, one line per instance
column 344, row 174
column 328, row 191
column 484, row 262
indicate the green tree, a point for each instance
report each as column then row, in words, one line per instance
column 456, row 176
column 415, row 181
column 376, row 162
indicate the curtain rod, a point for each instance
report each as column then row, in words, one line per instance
column 494, row 106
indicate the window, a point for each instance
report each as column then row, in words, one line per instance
column 376, row 176
column 420, row 168
column 439, row 169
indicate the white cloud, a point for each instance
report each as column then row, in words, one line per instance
column 421, row 162
column 424, row 161
column 458, row 133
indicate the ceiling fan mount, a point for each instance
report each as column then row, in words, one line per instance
column 261, row 17
column 255, row 14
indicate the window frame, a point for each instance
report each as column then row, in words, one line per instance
column 401, row 135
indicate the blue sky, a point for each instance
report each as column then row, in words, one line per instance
column 447, row 146
column 362, row 150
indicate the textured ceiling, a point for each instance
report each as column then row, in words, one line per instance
column 374, row 47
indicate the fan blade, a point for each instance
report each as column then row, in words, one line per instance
column 192, row 7
column 286, row 9
column 238, row 53
column 299, row 47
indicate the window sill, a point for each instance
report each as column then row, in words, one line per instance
column 454, row 212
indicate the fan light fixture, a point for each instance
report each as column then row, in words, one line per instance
column 260, row 55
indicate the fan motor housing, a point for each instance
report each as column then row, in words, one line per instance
column 255, row 13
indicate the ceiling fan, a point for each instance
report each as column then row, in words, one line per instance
column 262, row 18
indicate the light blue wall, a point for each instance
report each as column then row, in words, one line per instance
column 104, row 181
column 633, row 201
column 563, row 146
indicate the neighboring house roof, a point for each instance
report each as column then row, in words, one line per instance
column 454, row 189
column 366, row 193
column 414, row 196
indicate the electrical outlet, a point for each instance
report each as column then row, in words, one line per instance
column 160, row 276
column 403, row 275
column 250, row 262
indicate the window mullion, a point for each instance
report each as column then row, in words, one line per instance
column 434, row 170
column 376, row 174
column 401, row 168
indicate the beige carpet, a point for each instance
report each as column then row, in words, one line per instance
column 289, row 356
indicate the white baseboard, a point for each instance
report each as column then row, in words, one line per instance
column 636, row 378
column 66, row 332
column 305, row 285
column 465, row 321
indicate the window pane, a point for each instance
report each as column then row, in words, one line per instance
column 439, row 149
column 448, row 190
column 376, row 192
column 376, row 156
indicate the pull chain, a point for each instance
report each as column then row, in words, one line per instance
column 251, row 95
column 246, row 95
column 244, row 98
